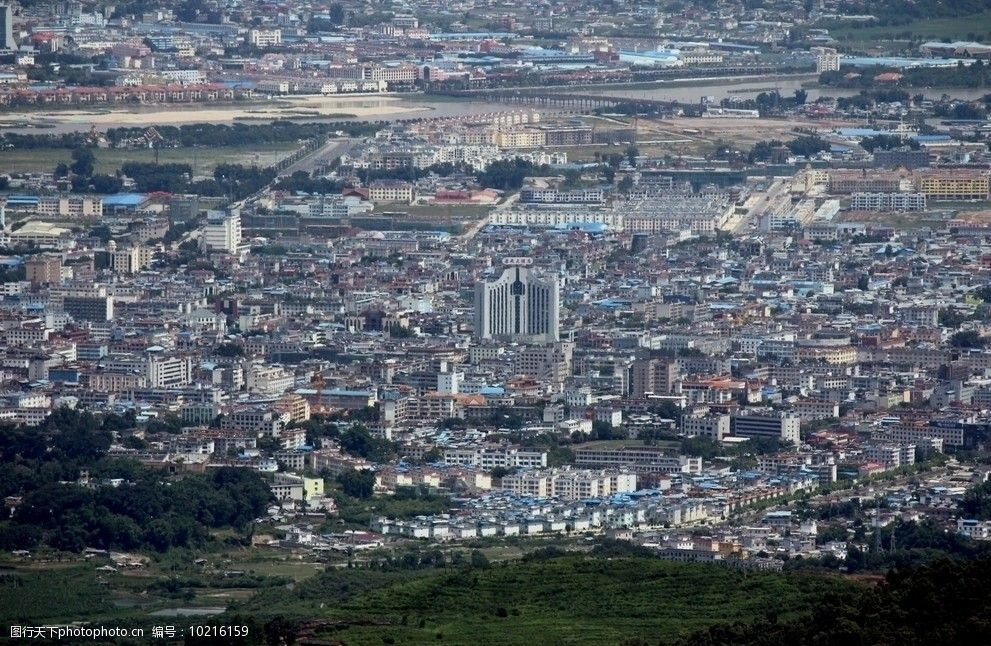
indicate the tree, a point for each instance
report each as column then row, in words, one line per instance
column 602, row 430
column 967, row 339
column 625, row 185
column 82, row 162
column 102, row 183
column 478, row 560
column 801, row 96
column 357, row 484
column 336, row 13
column 631, row 155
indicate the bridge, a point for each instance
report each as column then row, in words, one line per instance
column 563, row 96
column 565, row 100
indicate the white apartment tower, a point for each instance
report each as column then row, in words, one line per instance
column 521, row 305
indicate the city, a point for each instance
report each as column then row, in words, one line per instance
column 583, row 322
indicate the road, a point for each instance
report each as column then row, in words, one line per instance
column 472, row 231
column 774, row 199
column 319, row 157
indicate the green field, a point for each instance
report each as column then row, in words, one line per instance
column 51, row 595
column 961, row 28
column 565, row 600
column 203, row 160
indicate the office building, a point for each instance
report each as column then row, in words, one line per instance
column 521, row 305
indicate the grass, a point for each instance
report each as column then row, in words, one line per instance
column 203, row 160
column 960, row 28
column 567, row 600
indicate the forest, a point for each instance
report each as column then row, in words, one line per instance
column 130, row 506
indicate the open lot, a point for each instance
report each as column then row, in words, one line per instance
column 203, row 160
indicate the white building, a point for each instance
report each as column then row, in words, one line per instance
column 222, row 231
column 570, row 484
column 265, row 37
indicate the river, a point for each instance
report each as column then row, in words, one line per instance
column 393, row 107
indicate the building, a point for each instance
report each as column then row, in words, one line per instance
column 570, row 484
column 263, row 38
column 714, row 426
column 901, row 158
column 890, row 456
column 888, row 202
column 89, row 308
column 551, row 363
column 644, row 459
column 222, row 232
column 70, row 206
column 386, row 190
column 780, row 427
column 849, row 182
column 974, row 529
column 567, row 136
column 955, row 185
column 827, row 59
column 490, row 457
column 653, row 376
column 43, row 270
column 168, row 372
column 130, row 260
column 7, row 41
column 521, row 305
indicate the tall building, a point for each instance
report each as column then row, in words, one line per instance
column 7, row 28
column 223, row 231
column 521, row 305
column 655, row 376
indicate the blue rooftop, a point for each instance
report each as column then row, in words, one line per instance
column 124, row 199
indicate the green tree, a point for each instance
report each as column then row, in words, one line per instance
column 357, row 483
